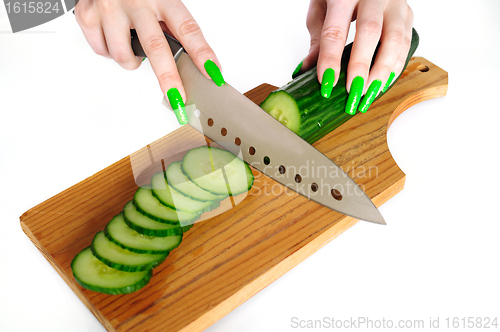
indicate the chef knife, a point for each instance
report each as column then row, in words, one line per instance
column 237, row 124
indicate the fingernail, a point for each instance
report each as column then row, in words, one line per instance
column 354, row 95
column 175, row 99
column 214, row 72
column 389, row 81
column 370, row 96
column 297, row 69
column 327, row 82
column 143, row 59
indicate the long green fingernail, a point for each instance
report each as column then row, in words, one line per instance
column 370, row 96
column 354, row 95
column 214, row 72
column 297, row 69
column 327, row 82
column 389, row 81
column 175, row 99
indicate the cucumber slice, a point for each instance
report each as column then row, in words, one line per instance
column 121, row 259
column 147, row 226
column 93, row 274
column 150, row 206
column 284, row 109
column 175, row 200
column 177, row 180
column 118, row 232
column 209, row 167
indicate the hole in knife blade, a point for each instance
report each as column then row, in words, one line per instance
column 314, row 187
column 282, row 169
column 251, row 150
column 267, row 160
column 237, row 141
column 197, row 113
column 298, row 178
column 336, row 194
column 210, row 122
column 223, row 131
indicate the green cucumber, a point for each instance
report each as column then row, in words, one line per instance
column 217, row 171
column 300, row 106
column 119, row 233
column 121, row 259
column 147, row 226
column 92, row 274
column 177, row 180
column 174, row 199
column 147, row 204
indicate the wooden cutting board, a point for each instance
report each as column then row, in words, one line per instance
column 225, row 260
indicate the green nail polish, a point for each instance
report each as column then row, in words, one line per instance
column 297, row 69
column 175, row 99
column 214, row 72
column 354, row 95
column 327, row 82
column 389, row 81
column 370, row 96
column 143, row 59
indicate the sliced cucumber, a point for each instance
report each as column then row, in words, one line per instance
column 121, row 259
column 210, row 168
column 177, row 180
column 174, row 199
column 150, row 206
column 93, row 274
column 118, row 232
column 147, row 226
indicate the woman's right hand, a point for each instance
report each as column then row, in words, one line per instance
column 106, row 25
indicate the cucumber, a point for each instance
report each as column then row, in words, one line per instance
column 121, row 259
column 174, row 199
column 177, row 180
column 300, row 106
column 217, row 171
column 119, row 233
column 150, row 206
column 96, row 276
column 147, row 226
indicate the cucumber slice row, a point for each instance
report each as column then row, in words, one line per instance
column 121, row 259
column 93, row 274
column 217, row 171
column 118, row 232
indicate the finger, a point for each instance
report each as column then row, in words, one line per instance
column 368, row 30
column 92, row 29
column 393, row 33
column 403, row 53
column 314, row 22
column 160, row 56
column 332, row 42
column 117, row 34
column 184, row 27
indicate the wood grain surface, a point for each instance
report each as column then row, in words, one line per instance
column 224, row 260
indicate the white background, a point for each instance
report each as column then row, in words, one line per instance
column 67, row 113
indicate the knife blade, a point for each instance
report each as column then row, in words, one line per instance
column 237, row 124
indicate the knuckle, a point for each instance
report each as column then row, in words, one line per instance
column 331, row 59
column 333, row 34
column 362, row 66
column 314, row 42
column 371, row 27
column 154, row 45
column 189, row 28
column 200, row 51
column 121, row 57
column 397, row 37
column 165, row 79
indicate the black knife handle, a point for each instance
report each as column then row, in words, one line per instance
column 175, row 46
